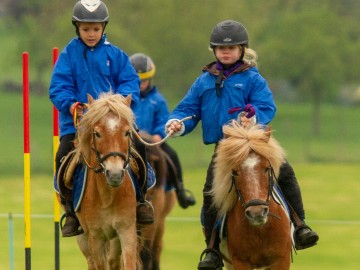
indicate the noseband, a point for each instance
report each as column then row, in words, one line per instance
column 100, row 168
column 254, row 202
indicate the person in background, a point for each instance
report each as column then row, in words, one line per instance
column 151, row 117
column 225, row 88
column 89, row 64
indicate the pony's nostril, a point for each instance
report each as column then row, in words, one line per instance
column 248, row 214
column 266, row 211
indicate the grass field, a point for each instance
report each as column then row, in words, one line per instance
column 330, row 194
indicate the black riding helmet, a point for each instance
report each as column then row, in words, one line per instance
column 89, row 11
column 228, row 33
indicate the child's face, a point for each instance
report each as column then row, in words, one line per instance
column 144, row 84
column 91, row 33
column 228, row 55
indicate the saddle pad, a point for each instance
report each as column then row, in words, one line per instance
column 79, row 182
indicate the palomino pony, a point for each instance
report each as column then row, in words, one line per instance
column 108, row 208
column 257, row 226
column 163, row 202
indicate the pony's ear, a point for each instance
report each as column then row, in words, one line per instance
column 128, row 100
column 90, row 99
column 267, row 132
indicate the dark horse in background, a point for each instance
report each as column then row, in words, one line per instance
column 163, row 201
column 258, row 229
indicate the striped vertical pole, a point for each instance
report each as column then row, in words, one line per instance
column 26, row 160
column 56, row 202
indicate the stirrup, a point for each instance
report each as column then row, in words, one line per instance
column 149, row 219
column 78, row 231
column 219, row 263
column 312, row 240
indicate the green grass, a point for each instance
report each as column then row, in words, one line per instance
column 330, row 194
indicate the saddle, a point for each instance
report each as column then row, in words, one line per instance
column 72, row 160
column 66, row 172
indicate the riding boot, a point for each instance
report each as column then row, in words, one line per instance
column 72, row 225
column 212, row 259
column 184, row 196
column 144, row 209
column 304, row 236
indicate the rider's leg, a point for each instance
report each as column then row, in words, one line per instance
column 304, row 237
column 185, row 198
column 144, row 210
column 72, row 225
column 212, row 259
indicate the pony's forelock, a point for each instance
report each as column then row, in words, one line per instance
column 233, row 150
column 106, row 103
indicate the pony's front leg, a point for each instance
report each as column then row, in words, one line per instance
column 236, row 264
column 114, row 254
column 82, row 241
column 97, row 248
column 282, row 264
column 128, row 240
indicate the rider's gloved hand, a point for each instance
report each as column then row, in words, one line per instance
column 250, row 110
column 175, row 126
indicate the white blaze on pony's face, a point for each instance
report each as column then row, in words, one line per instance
column 116, row 144
column 252, row 187
column 113, row 124
column 249, row 166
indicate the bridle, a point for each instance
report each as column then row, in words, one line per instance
column 254, row 202
column 100, row 167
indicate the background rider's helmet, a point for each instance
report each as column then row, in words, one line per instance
column 143, row 65
column 90, row 11
column 229, row 33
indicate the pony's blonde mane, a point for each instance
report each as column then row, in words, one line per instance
column 97, row 110
column 233, row 150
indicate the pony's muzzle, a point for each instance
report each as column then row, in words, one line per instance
column 257, row 214
column 114, row 178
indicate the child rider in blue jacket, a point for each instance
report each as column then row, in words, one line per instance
column 89, row 64
column 226, row 85
column 151, row 117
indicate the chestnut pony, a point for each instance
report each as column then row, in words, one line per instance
column 108, row 208
column 257, row 226
column 163, row 201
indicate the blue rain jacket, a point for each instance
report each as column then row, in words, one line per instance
column 242, row 87
column 152, row 113
column 81, row 70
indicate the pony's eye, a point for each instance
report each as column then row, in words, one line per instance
column 97, row 134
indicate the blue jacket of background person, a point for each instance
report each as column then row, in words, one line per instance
column 81, row 70
column 237, row 90
column 152, row 112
